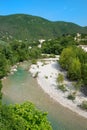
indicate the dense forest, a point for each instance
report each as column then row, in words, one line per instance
column 28, row 27
column 72, row 58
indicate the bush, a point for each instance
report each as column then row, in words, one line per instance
column 71, row 96
column 34, row 61
column 60, row 78
column 46, row 77
column 62, row 88
column 84, row 105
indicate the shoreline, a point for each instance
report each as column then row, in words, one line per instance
column 47, row 71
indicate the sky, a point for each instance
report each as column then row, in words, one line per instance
column 54, row 10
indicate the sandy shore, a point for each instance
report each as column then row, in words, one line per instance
column 47, row 72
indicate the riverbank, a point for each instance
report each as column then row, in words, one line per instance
column 46, row 72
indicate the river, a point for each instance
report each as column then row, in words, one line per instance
column 21, row 87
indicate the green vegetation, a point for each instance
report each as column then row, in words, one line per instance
column 31, row 28
column 62, row 87
column 60, row 83
column 60, row 78
column 55, row 46
column 0, row 90
column 78, row 84
column 74, row 60
column 84, row 105
column 19, row 36
column 23, row 117
column 71, row 96
column 74, row 70
column 14, row 52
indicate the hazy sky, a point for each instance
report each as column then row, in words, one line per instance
column 54, row 10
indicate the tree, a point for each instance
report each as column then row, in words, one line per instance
column 74, row 70
column 0, row 90
column 66, row 57
column 84, row 73
column 23, row 117
column 4, row 66
column 60, row 78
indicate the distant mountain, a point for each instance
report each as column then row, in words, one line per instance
column 21, row 26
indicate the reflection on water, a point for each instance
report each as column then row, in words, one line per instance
column 21, row 87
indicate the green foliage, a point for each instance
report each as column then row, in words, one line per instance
column 62, row 87
column 78, row 84
column 23, row 117
column 16, row 51
column 55, row 46
column 4, row 66
column 59, row 81
column 74, row 69
column 60, row 78
column 27, row 27
column 66, row 57
column 35, row 53
column 0, row 89
column 74, row 60
column 20, row 51
column 84, row 105
column 71, row 96
column 34, row 61
column 84, row 73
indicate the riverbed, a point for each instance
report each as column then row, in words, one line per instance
column 21, row 86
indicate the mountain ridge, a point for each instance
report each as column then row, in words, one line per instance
column 22, row 26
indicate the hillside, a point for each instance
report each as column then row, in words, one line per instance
column 30, row 27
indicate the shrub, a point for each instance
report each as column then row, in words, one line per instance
column 62, row 88
column 60, row 78
column 46, row 77
column 84, row 105
column 71, row 96
column 34, row 61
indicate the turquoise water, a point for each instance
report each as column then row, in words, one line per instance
column 21, row 87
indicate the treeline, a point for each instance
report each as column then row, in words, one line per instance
column 74, row 60
column 57, row 45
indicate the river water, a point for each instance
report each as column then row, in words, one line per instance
column 21, row 87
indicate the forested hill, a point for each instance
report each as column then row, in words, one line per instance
column 21, row 26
